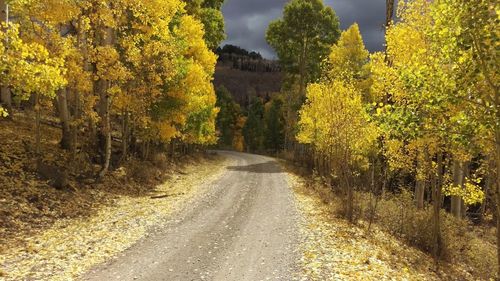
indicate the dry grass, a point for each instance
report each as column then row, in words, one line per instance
column 334, row 249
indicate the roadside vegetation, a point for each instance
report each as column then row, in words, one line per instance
column 393, row 246
column 407, row 140
column 56, row 234
column 106, row 110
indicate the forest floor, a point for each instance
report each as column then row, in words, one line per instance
column 334, row 249
column 46, row 233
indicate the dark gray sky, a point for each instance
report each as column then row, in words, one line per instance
column 247, row 21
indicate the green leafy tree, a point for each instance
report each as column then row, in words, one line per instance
column 253, row 131
column 228, row 116
column 275, row 125
column 303, row 37
column 209, row 13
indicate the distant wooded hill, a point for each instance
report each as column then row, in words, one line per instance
column 246, row 74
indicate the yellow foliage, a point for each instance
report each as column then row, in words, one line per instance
column 334, row 120
column 191, row 32
column 238, row 139
column 347, row 57
column 29, row 67
column 471, row 192
column 3, row 112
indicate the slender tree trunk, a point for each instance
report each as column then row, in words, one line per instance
column 302, row 72
column 125, row 136
column 419, row 193
column 456, row 201
column 5, row 93
column 383, row 187
column 77, row 116
column 38, row 150
column 419, row 188
column 350, row 199
column 6, row 97
column 64, row 117
column 104, row 108
column 74, row 125
column 466, row 175
column 389, row 14
column 488, row 184
column 497, row 164
column 349, row 192
column 373, row 195
column 105, row 132
column 389, row 4
column 372, row 175
column 437, row 207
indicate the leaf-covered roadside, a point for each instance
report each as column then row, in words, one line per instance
column 96, row 222
column 334, row 249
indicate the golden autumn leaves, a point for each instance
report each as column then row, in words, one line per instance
column 152, row 55
column 424, row 96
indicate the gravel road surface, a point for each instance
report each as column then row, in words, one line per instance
column 242, row 226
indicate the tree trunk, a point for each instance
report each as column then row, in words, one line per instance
column 104, row 114
column 389, row 14
column 497, row 164
column 488, row 184
column 373, row 194
column 419, row 193
column 74, row 125
column 6, row 97
column 389, row 5
column 419, row 189
column 64, row 117
column 38, row 149
column 302, row 86
column 125, row 136
column 437, row 207
column 383, row 186
column 5, row 93
column 105, row 129
column 466, row 175
column 458, row 177
column 349, row 192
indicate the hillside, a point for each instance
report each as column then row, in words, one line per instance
column 246, row 74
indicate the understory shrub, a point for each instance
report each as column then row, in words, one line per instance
column 398, row 215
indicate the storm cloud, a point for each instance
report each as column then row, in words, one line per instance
column 247, row 21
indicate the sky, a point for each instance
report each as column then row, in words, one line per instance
column 247, row 21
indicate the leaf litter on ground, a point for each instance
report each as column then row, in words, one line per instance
column 49, row 234
column 334, row 249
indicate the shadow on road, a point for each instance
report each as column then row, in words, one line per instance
column 269, row 167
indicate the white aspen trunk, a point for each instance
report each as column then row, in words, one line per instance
column 104, row 106
column 458, row 177
column 419, row 189
column 466, row 175
column 437, row 207
column 5, row 93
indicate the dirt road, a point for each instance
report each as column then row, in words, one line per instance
column 242, row 227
